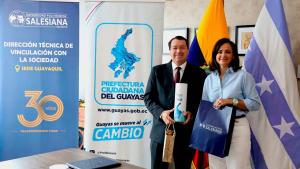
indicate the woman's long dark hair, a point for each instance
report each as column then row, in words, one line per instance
column 235, row 63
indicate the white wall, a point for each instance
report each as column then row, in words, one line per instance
column 188, row 13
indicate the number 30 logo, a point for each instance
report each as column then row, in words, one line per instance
column 38, row 106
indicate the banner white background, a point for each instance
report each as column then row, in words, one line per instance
column 117, row 123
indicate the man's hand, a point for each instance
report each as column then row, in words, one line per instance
column 165, row 116
column 188, row 116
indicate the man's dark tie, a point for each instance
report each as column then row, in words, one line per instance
column 177, row 75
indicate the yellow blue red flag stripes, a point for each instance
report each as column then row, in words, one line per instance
column 212, row 27
column 200, row 160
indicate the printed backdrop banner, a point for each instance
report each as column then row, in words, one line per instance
column 38, row 77
column 124, row 41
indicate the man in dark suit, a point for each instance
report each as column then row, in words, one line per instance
column 159, row 100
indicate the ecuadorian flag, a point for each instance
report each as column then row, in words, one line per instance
column 212, row 27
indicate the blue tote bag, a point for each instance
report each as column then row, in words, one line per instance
column 212, row 129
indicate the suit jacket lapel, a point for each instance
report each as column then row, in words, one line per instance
column 169, row 75
column 185, row 77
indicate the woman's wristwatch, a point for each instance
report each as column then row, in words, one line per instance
column 235, row 102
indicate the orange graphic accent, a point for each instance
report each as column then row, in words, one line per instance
column 38, row 106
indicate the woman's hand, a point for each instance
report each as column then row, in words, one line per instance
column 219, row 103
